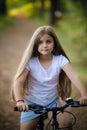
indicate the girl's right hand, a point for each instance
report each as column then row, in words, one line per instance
column 22, row 106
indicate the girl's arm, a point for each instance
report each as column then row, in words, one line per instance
column 18, row 90
column 70, row 72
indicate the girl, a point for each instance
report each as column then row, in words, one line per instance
column 44, row 75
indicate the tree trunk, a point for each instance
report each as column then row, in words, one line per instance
column 3, row 8
column 55, row 11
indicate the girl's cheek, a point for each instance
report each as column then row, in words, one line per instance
column 38, row 49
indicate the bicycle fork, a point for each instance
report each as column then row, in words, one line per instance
column 40, row 125
column 55, row 124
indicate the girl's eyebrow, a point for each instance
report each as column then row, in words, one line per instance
column 46, row 40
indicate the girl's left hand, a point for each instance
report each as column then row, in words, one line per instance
column 83, row 100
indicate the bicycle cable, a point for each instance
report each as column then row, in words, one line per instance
column 73, row 123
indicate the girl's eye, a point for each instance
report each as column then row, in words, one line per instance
column 40, row 42
column 48, row 41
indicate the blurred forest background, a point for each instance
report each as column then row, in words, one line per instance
column 18, row 19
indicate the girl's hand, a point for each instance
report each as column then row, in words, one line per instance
column 83, row 100
column 22, row 106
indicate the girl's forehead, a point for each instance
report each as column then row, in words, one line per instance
column 45, row 36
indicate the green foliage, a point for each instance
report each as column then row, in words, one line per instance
column 4, row 22
column 18, row 3
column 15, row 3
column 72, row 33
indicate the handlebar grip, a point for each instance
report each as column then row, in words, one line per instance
column 77, row 104
column 83, row 105
column 33, row 107
column 73, row 103
column 15, row 109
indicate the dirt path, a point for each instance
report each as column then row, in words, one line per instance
column 12, row 44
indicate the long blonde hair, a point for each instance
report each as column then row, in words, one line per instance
column 32, row 51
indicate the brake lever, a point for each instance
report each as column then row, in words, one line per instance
column 75, row 104
column 72, row 103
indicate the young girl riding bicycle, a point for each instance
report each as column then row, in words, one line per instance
column 44, row 76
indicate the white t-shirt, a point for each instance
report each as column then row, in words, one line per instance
column 43, row 82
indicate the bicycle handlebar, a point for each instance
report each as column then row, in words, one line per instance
column 69, row 102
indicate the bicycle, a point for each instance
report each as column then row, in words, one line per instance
column 55, row 110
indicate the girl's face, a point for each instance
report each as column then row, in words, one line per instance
column 46, row 45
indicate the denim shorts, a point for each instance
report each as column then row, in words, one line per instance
column 27, row 116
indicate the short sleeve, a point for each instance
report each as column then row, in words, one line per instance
column 63, row 61
column 31, row 64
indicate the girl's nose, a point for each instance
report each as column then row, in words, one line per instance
column 44, row 44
